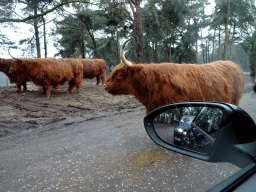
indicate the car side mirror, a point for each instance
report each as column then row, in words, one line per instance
column 210, row 131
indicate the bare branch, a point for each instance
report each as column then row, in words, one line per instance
column 132, row 1
column 2, row 20
column 150, row 7
column 132, row 8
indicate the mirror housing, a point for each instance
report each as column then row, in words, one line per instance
column 234, row 142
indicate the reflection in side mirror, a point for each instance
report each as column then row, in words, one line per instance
column 191, row 128
column 210, row 131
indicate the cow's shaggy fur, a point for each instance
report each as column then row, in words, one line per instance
column 95, row 68
column 19, row 79
column 155, row 85
column 47, row 72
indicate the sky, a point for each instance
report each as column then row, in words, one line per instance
column 26, row 31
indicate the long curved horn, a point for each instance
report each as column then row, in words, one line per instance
column 122, row 53
column 11, row 55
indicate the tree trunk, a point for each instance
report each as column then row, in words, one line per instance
column 93, row 40
column 213, row 43
column 37, row 33
column 138, row 31
column 117, row 50
column 81, row 43
column 187, row 43
column 202, row 46
column 209, row 57
column 137, row 28
column 226, row 21
column 45, row 43
column 155, row 53
column 206, row 52
column 196, row 36
column 219, row 45
column 81, row 47
column 171, row 42
column 232, row 40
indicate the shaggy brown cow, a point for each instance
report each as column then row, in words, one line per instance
column 155, row 85
column 19, row 79
column 95, row 68
column 47, row 72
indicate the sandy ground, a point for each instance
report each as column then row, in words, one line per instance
column 30, row 109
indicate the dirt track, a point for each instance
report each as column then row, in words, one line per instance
column 30, row 109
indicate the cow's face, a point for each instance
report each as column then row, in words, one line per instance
column 15, row 66
column 120, row 81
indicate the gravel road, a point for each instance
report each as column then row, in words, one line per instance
column 92, row 141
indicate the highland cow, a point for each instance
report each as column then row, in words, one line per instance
column 47, row 72
column 95, row 68
column 155, row 85
column 19, row 79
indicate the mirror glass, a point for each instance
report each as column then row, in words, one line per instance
column 192, row 128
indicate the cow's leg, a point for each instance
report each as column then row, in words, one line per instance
column 78, row 88
column 24, row 86
column 46, row 90
column 18, row 87
column 43, row 90
column 56, row 86
column 79, row 82
column 71, row 86
column 103, row 78
column 98, row 80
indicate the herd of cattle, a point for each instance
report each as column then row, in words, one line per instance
column 51, row 72
column 151, row 84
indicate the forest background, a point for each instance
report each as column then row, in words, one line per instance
column 160, row 30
